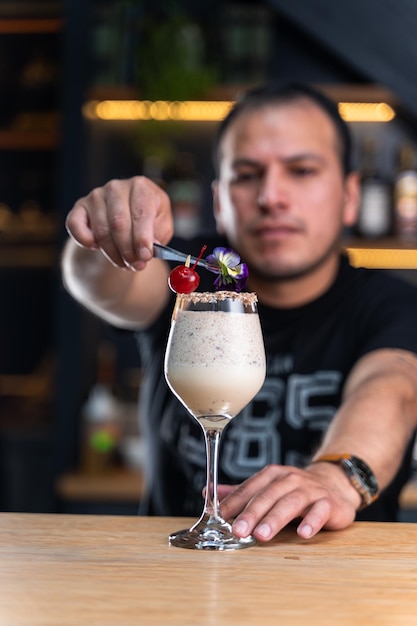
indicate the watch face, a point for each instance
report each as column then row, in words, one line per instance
column 364, row 474
column 359, row 474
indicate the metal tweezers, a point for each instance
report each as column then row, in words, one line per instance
column 169, row 254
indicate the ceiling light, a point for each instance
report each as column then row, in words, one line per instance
column 212, row 110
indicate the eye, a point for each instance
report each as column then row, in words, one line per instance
column 303, row 170
column 245, row 176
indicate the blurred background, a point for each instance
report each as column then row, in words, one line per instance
column 96, row 89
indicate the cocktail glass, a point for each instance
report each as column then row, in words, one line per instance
column 214, row 364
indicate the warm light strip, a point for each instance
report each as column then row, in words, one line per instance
column 161, row 110
column 366, row 111
column 383, row 258
column 211, row 110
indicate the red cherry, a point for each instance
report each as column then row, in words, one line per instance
column 183, row 279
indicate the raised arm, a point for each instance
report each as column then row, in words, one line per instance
column 107, row 263
column 375, row 423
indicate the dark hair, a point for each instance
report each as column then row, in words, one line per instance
column 272, row 94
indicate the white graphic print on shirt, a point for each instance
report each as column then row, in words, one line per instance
column 253, row 439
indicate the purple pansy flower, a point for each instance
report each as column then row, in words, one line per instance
column 232, row 274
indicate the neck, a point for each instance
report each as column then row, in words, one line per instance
column 292, row 292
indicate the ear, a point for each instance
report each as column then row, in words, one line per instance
column 217, row 207
column 352, row 199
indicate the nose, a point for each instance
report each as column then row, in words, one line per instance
column 273, row 190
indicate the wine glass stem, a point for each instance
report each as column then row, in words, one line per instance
column 211, row 504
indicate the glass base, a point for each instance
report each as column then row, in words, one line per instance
column 211, row 536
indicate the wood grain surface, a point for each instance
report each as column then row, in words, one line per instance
column 101, row 570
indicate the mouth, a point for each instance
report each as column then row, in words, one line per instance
column 277, row 232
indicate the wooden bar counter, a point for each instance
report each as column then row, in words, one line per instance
column 58, row 570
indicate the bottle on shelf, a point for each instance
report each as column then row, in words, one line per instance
column 375, row 212
column 405, row 194
column 243, row 62
column 101, row 416
column 153, row 168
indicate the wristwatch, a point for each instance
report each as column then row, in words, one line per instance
column 359, row 473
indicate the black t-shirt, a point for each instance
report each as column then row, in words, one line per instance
column 310, row 352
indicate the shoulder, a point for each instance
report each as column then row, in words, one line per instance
column 378, row 283
column 382, row 308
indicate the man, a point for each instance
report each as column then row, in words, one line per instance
column 340, row 342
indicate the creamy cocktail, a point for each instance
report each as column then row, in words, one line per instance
column 211, row 375
column 214, row 364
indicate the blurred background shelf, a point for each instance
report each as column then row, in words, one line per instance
column 388, row 253
column 117, row 485
column 26, row 26
column 116, row 492
column 28, row 140
column 408, row 501
column 29, row 256
column 408, row 498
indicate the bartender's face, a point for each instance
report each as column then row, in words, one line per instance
column 282, row 198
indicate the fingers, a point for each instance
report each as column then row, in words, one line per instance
column 151, row 218
column 274, row 500
column 122, row 219
column 271, row 499
column 315, row 519
column 111, row 221
column 224, row 490
column 242, row 494
column 78, row 226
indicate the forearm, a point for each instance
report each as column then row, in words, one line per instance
column 379, row 413
column 122, row 297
